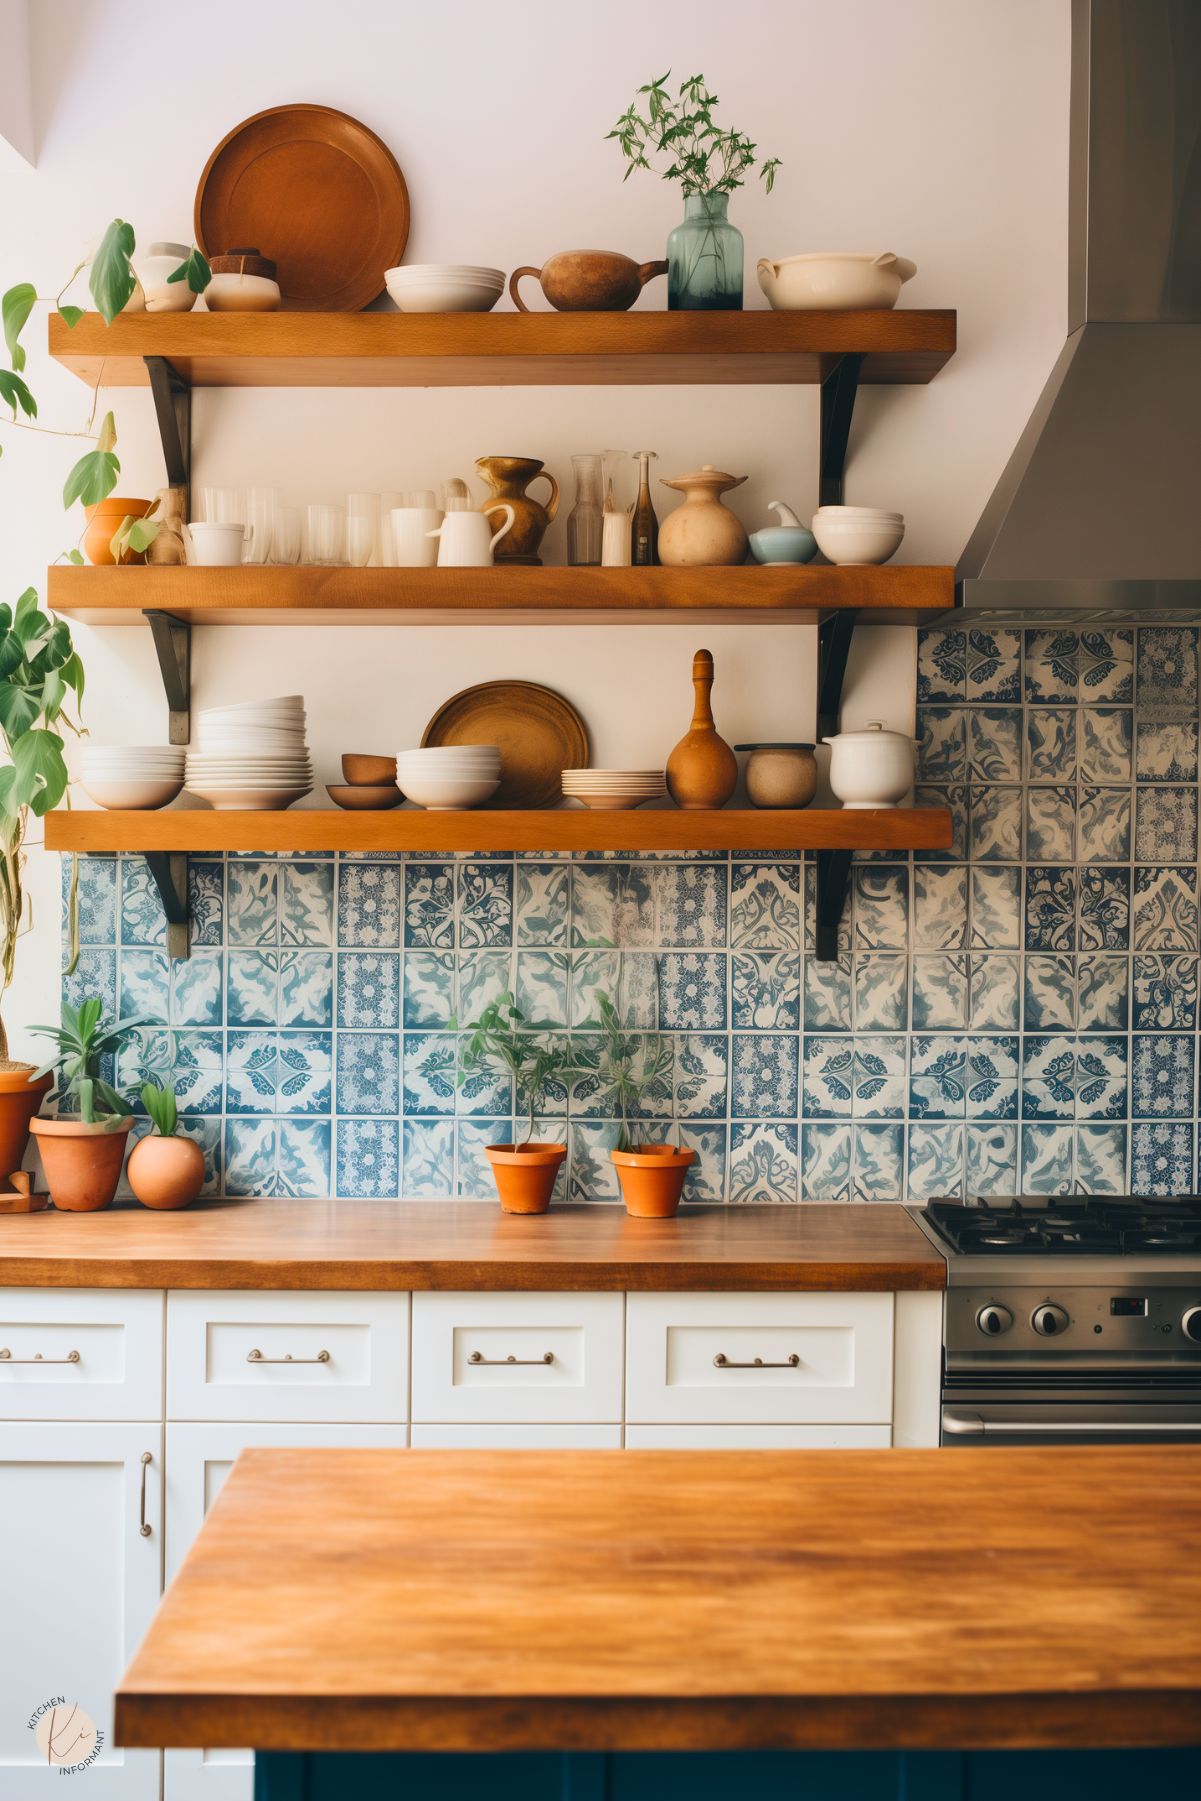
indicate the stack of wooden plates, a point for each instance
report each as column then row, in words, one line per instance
column 613, row 790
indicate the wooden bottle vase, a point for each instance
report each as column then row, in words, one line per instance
column 702, row 770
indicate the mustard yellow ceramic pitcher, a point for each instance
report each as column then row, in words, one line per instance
column 508, row 478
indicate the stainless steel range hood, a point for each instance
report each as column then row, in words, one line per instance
column 1098, row 512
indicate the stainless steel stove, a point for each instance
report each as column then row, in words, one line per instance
column 1070, row 1320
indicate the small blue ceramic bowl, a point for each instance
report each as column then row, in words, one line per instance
column 783, row 544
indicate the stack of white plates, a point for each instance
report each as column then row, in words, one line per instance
column 445, row 287
column 132, row 775
column 449, row 776
column 857, row 534
column 613, row 790
column 251, row 756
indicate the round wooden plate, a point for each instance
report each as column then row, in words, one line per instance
column 315, row 191
column 539, row 733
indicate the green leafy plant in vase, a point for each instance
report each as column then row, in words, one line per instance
column 503, row 1039
column 83, row 1149
column 165, row 1168
column 633, row 1064
column 704, row 252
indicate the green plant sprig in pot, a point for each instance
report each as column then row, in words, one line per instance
column 165, row 1169
column 83, row 1152
column 652, row 1176
column 502, row 1038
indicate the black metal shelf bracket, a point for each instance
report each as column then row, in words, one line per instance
column 173, row 647
column 173, row 409
column 833, row 648
column 838, row 405
column 833, row 881
column 169, row 870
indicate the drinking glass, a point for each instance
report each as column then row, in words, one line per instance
column 222, row 506
column 286, row 535
column 325, row 534
column 386, row 549
column 260, row 524
column 362, row 528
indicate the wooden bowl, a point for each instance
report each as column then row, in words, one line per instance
column 366, row 772
column 365, row 797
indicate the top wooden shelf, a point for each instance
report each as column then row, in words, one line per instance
column 398, row 350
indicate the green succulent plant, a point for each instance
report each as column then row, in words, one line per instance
column 83, row 1039
column 162, row 1107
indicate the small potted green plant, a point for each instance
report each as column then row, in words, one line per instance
column 651, row 1175
column 704, row 252
column 165, row 1169
column 82, row 1153
column 501, row 1038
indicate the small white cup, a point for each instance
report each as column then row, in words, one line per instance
column 466, row 540
column 214, row 546
column 412, row 545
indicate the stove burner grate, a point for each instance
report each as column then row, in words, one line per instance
column 1053, row 1226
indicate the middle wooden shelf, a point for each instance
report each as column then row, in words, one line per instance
column 280, row 595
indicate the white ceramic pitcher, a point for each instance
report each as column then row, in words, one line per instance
column 465, row 542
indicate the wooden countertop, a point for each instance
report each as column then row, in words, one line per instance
column 459, row 1600
column 467, row 1245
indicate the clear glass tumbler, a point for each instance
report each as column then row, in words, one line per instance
column 362, row 528
column 325, row 535
column 260, row 524
column 286, row 535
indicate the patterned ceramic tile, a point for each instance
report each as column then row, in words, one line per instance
column 1161, row 1075
column 368, row 1158
column 765, row 991
column 278, row 1072
column 541, row 903
column 145, row 986
column 881, row 991
column 1167, row 666
column 1105, row 744
column 700, row 1073
column 995, row 999
column 692, row 987
column 993, row 664
column 991, row 1160
column 1165, row 910
column 706, row 1180
column 935, row 1162
column 1161, row 1159
column 1165, row 825
column 141, row 909
column 942, row 744
column 252, row 913
column 1103, row 826
column 96, row 897
column 763, row 1164
column 1051, row 744
column 765, row 906
column 879, row 1169
column 369, row 906
column 939, row 906
column 1050, row 909
column 955, row 800
column 368, row 1072
column 763, row 1075
column 428, row 1158
column 1101, row 1160
column 369, row 990
column 881, row 906
column 612, row 903
column 1104, row 908
column 1051, row 665
column 941, row 666
column 1051, row 825
column 1165, row 994
column 1167, row 751
column 994, row 744
column 306, row 903
column 1050, row 993
column 485, row 904
column 995, row 899
column 1101, row 993
column 543, row 981
column 995, row 833
column 941, row 992
column 690, row 904
column 828, row 994
column 429, row 907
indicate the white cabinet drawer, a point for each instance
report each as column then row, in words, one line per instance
column 724, row 1359
column 758, row 1438
column 533, row 1437
column 517, row 1357
column 259, row 1356
column 81, row 1354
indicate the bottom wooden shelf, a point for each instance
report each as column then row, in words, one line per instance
column 562, row 829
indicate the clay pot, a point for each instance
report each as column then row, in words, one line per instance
column 525, row 1174
column 82, row 1163
column 362, row 770
column 652, row 1178
column 702, row 534
column 19, row 1101
column 103, row 520
column 166, row 1172
column 702, row 770
column 780, row 775
column 588, row 281
column 508, row 478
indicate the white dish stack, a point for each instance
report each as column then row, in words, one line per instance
column 252, row 756
column 132, row 776
column 449, row 777
column 613, row 790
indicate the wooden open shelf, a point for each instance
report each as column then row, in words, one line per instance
column 566, row 829
column 397, row 350
column 315, row 596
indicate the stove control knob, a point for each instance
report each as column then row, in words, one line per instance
column 993, row 1320
column 1049, row 1321
column 1190, row 1325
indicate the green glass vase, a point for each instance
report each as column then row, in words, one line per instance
column 704, row 258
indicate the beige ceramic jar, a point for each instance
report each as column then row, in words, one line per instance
column 780, row 775
column 702, row 533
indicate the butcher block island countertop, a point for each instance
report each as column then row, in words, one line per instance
column 349, row 1600
column 403, row 1245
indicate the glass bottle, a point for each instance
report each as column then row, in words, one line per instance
column 584, row 522
column 644, row 551
column 704, row 258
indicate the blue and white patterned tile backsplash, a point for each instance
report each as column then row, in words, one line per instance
column 1017, row 1014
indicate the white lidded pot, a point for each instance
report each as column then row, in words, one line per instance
column 871, row 768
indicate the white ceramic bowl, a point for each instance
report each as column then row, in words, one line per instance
column 852, row 514
column 871, row 768
column 132, row 793
column 834, row 278
column 440, row 794
column 242, row 293
column 213, row 546
column 857, row 541
column 248, row 800
column 442, row 288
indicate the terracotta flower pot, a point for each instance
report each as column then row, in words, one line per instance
column 525, row 1174
column 19, row 1101
column 652, row 1178
column 103, row 520
column 82, row 1163
column 166, row 1172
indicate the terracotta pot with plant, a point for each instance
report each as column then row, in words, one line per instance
column 165, row 1169
column 82, row 1152
column 651, row 1175
column 501, row 1038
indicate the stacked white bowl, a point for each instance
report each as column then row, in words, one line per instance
column 251, row 756
column 445, row 287
column 132, row 775
column 613, row 790
column 857, row 534
column 449, row 775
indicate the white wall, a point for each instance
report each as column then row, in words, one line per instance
column 937, row 128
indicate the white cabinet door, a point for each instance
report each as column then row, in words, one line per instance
column 81, row 1354
column 199, row 1458
column 516, row 1438
column 514, row 1358
column 757, row 1438
column 79, row 1582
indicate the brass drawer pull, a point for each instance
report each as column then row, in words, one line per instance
column 147, row 1460
column 478, row 1357
column 257, row 1357
column 722, row 1362
column 6, row 1356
